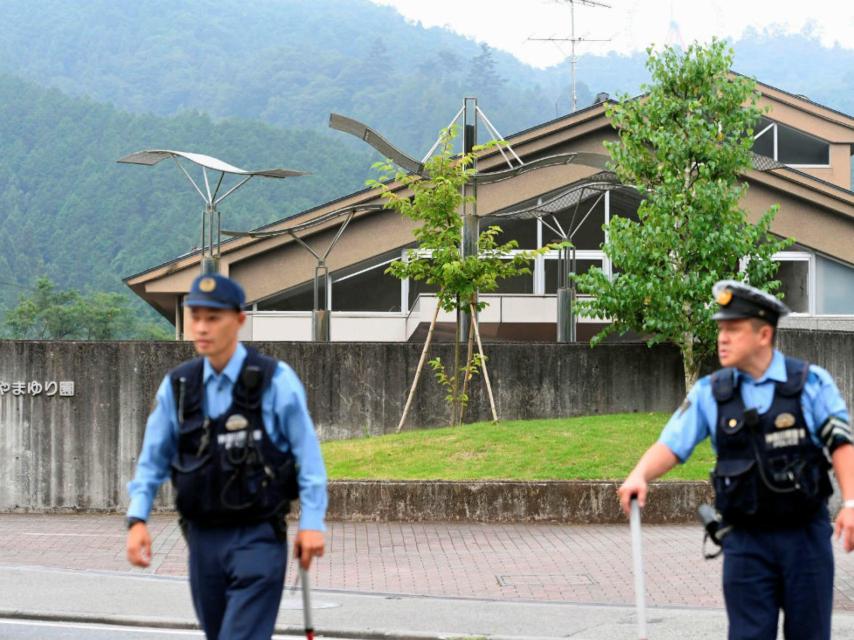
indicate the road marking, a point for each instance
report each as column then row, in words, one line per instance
column 114, row 627
column 99, row 627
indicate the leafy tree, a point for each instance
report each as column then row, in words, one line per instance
column 435, row 203
column 483, row 76
column 682, row 146
column 48, row 313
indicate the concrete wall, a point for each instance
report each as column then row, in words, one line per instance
column 567, row 502
column 77, row 452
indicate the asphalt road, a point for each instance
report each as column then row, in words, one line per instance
column 13, row 629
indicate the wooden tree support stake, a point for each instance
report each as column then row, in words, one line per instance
column 418, row 370
column 483, row 365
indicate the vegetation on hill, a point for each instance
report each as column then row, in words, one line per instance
column 71, row 213
column 204, row 76
column 286, row 62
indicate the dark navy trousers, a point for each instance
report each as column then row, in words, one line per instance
column 766, row 571
column 237, row 575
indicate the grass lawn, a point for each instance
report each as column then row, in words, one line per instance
column 603, row 447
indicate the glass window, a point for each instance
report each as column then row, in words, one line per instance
column 794, row 279
column 586, row 233
column 417, row 287
column 299, row 298
column 516, row 284
column 522, row 231
column 835, row 287
column 369, row 290
column 581, row 266
column 794, row 147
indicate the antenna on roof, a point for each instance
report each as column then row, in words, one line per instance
column 573, row 40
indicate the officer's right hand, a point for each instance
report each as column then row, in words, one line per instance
column 634, row 485
column 139, row 545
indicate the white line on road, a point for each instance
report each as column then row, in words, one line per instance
column 99, row 627
column 114, row 627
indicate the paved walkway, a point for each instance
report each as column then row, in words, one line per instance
column 512, row 563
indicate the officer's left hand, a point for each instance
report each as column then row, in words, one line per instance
column 309, row 544
column 845, row 528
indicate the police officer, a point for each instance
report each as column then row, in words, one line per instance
column 232, row 429
column 774, row 422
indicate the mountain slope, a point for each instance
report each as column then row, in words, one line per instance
column 70, row 212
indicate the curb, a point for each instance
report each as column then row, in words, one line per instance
column 163, row 623
column 506, row 502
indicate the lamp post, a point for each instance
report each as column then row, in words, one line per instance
column 211, row 227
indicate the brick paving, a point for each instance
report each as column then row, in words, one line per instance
column 580, row 564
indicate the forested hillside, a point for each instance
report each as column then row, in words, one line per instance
column 68, row 211
column 286, row 62
column 253, row 82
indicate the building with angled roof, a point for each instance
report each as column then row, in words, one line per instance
column 560, row 185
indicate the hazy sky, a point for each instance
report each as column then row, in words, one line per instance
column 630, row 25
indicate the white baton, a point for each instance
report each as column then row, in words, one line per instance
column 640, row 593
column 306, row 603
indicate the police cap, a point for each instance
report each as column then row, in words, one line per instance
column 215, row 291
column 740, row 300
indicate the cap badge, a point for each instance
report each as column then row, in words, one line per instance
column 784, row 421
column 236, row 422
column 724, row 297
column 207, row 284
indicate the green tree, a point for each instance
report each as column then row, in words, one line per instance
column 683, row 146
column 483, row 77
column 435, row 202
column 47, row 313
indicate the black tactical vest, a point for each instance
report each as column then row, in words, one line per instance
column 227, row 471
column 769, row 473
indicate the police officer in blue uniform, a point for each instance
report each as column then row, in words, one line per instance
column 777, row 425
column 232, row 429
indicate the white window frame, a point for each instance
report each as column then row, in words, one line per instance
column 809, row 258
column 773, row 126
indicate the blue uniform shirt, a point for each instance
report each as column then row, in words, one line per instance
column 695, row 420
column 286, row 420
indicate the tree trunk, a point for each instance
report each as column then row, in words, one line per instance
column 467, row 379
column 455, row 386
column 690, row 362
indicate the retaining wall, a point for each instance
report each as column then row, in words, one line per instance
column 63, row 451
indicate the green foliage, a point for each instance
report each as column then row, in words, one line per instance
column 435, row 203
column 456, row 395
column 48, row 313
column 288, row 63
column 682, row 146
column 71, row 213
column 603, row 447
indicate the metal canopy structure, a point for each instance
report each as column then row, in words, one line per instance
column 377, row 141
column 320, row 313
column 595, row 160
column 471, row 114
column 211, row 241
column 546, row 209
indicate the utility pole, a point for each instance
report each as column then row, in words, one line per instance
column 573, row 60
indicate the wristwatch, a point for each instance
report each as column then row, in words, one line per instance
column 132, row 521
